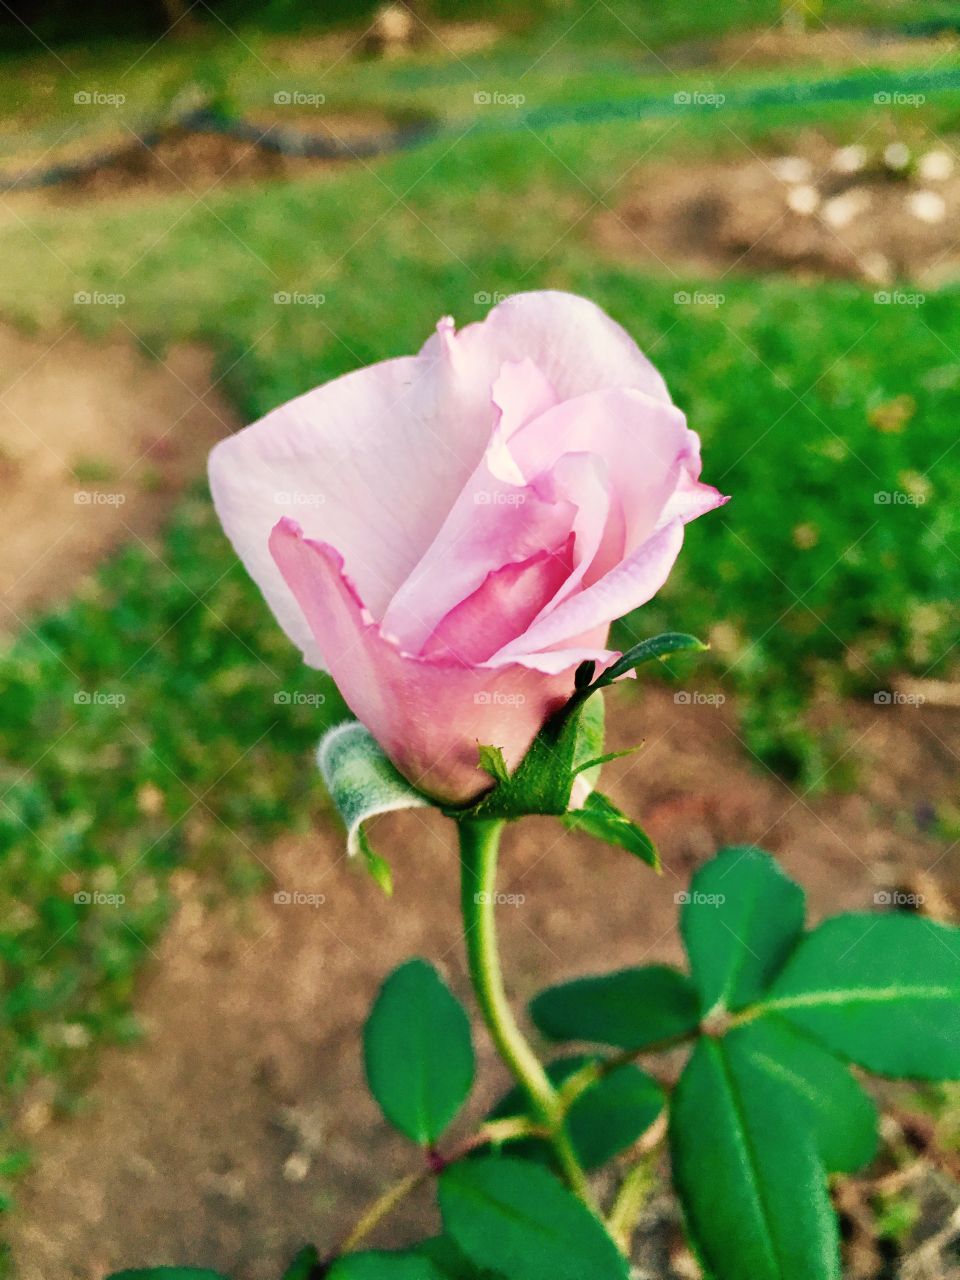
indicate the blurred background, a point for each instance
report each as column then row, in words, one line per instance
column 207, row 208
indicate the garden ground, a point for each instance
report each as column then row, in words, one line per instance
column 241, row 1127
column 812, row 400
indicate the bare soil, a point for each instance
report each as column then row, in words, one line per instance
column 196, row 161
column 717, row 216
column 240, row 1127
column 96, row 441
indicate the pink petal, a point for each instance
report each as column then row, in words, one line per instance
column 573, row 343
column 371, row 462
column 645, row 444
column 429, row 714
column 492, row 523
column 631, row 584
column 501, row 608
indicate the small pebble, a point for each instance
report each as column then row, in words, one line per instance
column 935, row 166
column 849, row 159
column 296, row 1167
column 804, row 200
column 841, row 210
column 896, row 156
column 876, row 268
column 927, row 206
column 792, row 168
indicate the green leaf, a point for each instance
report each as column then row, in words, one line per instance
column 740, row 921
column 383, row 1265
column 517, row 1218
column 451, row 1260
column 304, row 1266
column 656, row 647
column 881, row 990
column 168, row 1273
column 492, row 762
column 418, row 1053
column 751, row 1183
column 609, row 1116
column 631, row 1009
column 601, row 818
column 793, row 1072
column 362, row 783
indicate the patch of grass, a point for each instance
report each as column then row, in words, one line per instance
column 836, row 565
column 805, row 583
column 148, row 724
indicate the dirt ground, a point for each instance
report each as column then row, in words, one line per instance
column 84, row 471
column 240, row 1127
column 882, row 210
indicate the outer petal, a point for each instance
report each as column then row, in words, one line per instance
column 647, row 448
column 428, row 714
column 574, row 344
column 371, row 462
column 626, row 587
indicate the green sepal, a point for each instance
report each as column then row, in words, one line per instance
column 601, row 818
column 362, row 783
column 569, row 744
column 543, row 780
column 656, row 647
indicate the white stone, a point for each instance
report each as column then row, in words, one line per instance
column 896, row 155
column 803, row 200
column 792, row 168
column 841, row 210
column 849, row 159
column 935, row 166
column 927, row 206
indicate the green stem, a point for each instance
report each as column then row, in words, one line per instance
column 479, row 845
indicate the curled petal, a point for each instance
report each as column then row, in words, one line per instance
column 429, row 714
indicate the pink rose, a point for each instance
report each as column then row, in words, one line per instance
column 451, row 534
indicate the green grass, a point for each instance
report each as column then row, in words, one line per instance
column 806, row 584
column 142, row 730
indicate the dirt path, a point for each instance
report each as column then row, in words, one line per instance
column 241, row 1128
column 96, row 441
